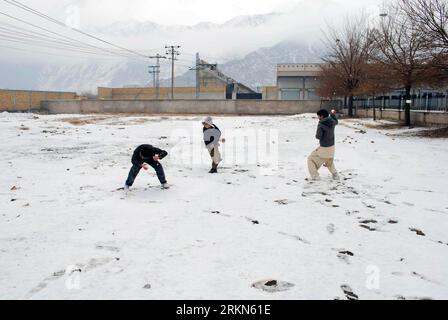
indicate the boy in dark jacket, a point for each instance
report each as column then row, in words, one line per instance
column 144, row 156
column 212, row 136
column 324, row 155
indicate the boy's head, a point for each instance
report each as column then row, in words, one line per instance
column 208, row 122
column 322, row 114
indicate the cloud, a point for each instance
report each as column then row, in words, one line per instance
column 300, row 20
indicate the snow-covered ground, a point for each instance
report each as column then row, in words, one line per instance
column 67, row 233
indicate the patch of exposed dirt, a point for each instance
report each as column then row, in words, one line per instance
column 80, row 121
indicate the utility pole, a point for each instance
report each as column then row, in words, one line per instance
column 157, row 75
column 198, row 79
column 173, row 51
column 154, row 70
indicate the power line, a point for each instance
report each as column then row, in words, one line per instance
column 58, row 34
column 51, row 53
column 49, row 44
column 38, row 39
column 17, row 31
column 44, row 16
column 61, row 41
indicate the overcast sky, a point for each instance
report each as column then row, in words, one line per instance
column 301, row 20
column 185, row 12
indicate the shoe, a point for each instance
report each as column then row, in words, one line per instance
column 165, row 186
column 336, row 177
column 126, row 187
column 213, row 171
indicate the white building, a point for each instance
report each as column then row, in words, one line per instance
column 298, row 81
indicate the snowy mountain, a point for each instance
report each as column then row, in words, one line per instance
column 234, row 45
column 256, row 69
column 135, row 28
column 86, row 77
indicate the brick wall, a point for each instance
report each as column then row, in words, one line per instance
column 22, row 100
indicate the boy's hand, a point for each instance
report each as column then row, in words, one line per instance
column 156, row 157
column 333, row 111
column 145, row 166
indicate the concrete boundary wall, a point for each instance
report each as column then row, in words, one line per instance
column 419, row 118
column 243, row 107
column 149, row 93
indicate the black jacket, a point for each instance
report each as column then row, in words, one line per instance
column 145, row 152
column 325, row 131
column 211, row 135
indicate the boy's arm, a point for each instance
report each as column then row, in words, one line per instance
column 162, row 153
column 333, row 116
column 211, row 139
column 319, row 132
column 137, row 159
column 208, row 137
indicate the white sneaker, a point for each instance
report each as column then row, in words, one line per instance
column 126, row 187
column 165, row 186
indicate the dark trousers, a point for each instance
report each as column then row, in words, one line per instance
column 136, row 169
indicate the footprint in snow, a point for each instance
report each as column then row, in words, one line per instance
column 367, row 227
column 368, row 221
column 273, row 285
column 349, row 293
column 418, row 232
column 294, row 236
column 370, row 206
column 253, row 221
column 344, row 255
column 413, row 298
column 219, row 213
column 331, row 228
column 282, row 202
column 107, row 248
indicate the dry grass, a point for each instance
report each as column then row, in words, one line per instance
column 423, row 132
column 115, row 119
column 384, row 126
column 428, row 133
column 84, row 120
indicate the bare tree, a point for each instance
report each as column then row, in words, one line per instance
column 431, row 18
column 331, row 83
column 377, row 81
column 345, row 64
column 400, row 48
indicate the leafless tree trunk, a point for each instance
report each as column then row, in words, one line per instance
column 348, row 53
column 400, row 47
